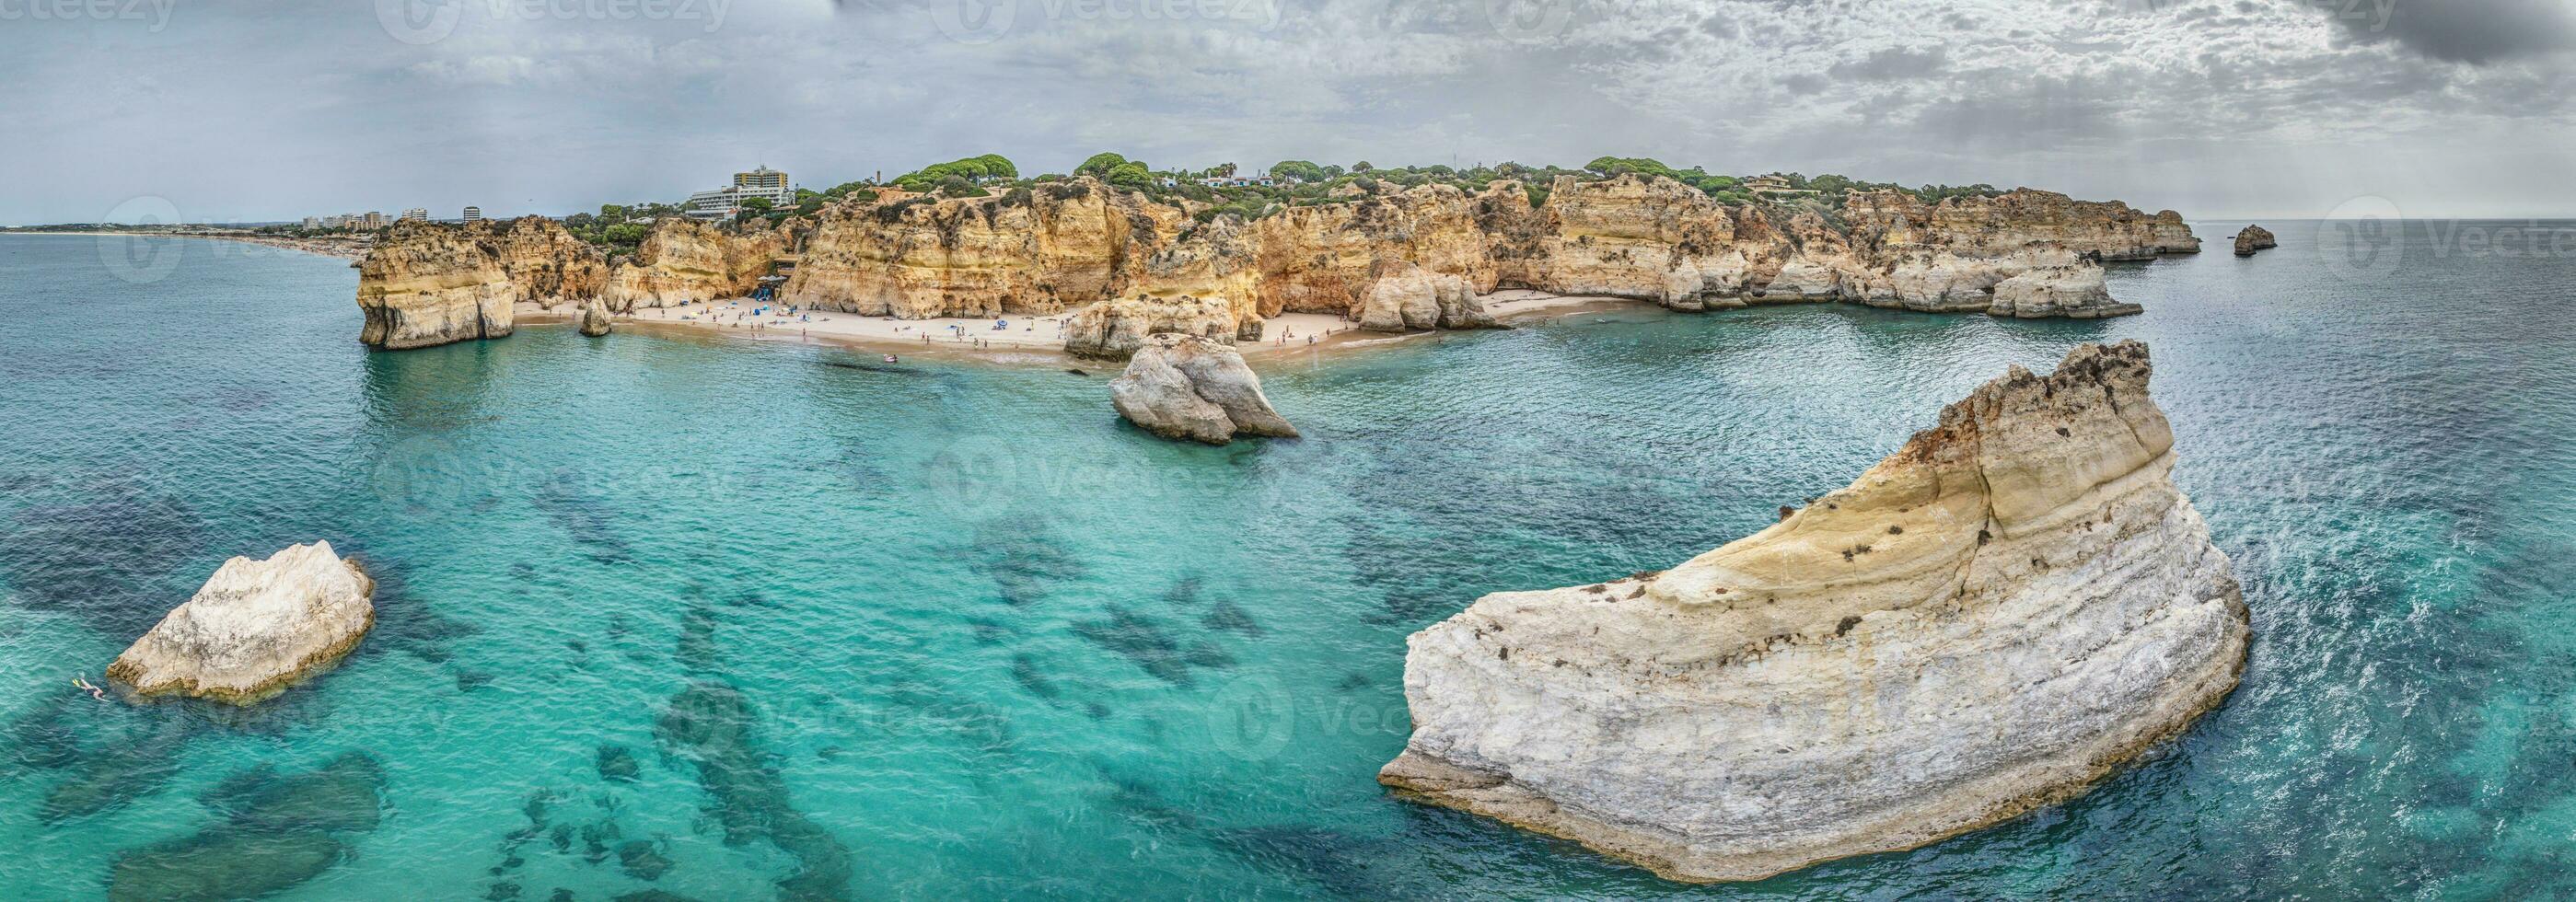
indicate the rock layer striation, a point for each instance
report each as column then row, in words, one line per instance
column 1387, row 258
column 425, row 284
column 1988, row 621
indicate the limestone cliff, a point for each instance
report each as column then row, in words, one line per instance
column 684, row 261
column 426, row 284
column 1389, row 259
column 255, row 627
column 1186, row 387
column 1988, row 621
column 1032, row 252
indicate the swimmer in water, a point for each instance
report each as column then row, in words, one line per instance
column 91, row 688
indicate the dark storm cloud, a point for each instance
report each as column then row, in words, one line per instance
column 2462, row 31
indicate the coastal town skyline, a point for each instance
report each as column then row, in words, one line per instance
column 2275, row 109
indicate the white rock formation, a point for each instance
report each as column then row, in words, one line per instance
column 255, row 627
column 1986, row 622
column 1185, row 386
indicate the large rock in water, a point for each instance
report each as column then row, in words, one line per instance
column 1988, row 621
column 2253, row 238
column 594, row 318
column 255, row 627
column 1184, row 386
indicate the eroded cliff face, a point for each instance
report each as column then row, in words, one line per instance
column 1391, row 260
column 425, row 284
column 1994, row 617
column 1036, row 252
column 684, row 261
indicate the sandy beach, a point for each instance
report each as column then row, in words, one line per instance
column 1035, row 339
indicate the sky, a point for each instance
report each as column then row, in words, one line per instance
column 229, row 112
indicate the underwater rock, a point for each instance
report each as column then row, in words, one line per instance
column 642, row 860
column 221, row 867
column 1988, row 621
column 255, row 627
column 1185, row 387
column 713, row 725
column 279, row 831
column 617, row 763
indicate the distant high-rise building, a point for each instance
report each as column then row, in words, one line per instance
column 312, row 222
column 760, row 177
column 474, row 214
column 374, row 219
column 416, row 214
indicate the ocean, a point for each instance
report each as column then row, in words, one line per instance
column 725, row 619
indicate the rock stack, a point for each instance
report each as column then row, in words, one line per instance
column 594, row 318
column 2253, row 238
column 1988, row 621
column 1188, row 387
column 255, row 627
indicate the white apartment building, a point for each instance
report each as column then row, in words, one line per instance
column 724, row 203
column 474, row 214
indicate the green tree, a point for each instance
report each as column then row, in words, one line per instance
column 612, row 212
column 1361, row 166
column 1100, row 165
column 958, row 186
column 1300, row 170
column 1130, row 174
column 754, row 207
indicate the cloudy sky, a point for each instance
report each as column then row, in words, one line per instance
column 2218, row 108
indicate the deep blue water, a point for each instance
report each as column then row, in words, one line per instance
column 751, row 624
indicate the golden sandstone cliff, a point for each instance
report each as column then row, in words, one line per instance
column 683, row 261
column 1392, row 260
column 1989, row 620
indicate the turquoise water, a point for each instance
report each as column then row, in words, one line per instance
column 765, row 620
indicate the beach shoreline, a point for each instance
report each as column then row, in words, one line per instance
column 1026, row 341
